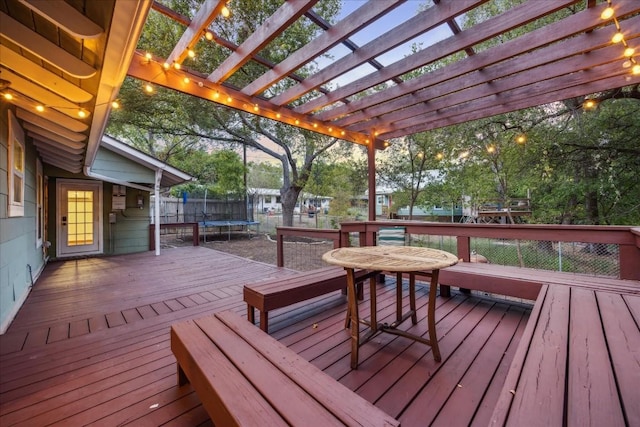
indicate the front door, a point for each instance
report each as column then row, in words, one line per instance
column 79, row 217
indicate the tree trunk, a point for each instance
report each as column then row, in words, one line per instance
column 289, row 197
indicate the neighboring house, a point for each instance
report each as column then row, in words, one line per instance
column 267, row 200
column 66, row 190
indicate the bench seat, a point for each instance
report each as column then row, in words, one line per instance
column 524, row 282
column 576, row 363
column 269, row 295
column 246, row 378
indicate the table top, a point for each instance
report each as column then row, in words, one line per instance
column 390, row 258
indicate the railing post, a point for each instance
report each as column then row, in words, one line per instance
column 280, row 248
column 629, row 258
column 196, row 234
column 152, row 237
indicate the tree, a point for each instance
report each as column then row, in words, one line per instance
column 407, row 166
column 172, row 120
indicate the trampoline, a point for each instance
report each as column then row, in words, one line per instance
column 229, row 224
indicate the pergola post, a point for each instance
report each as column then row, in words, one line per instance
column 371, row 166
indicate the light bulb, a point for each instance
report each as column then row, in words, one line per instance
column 278, row 115
column 115, row 105
column 225, row 11
column 7, row 96
column 191, row 53
column 636, row 69
column 229, row 99
column 39, row 108
column 82, row 113
column 148, row 88
column 148, row 56
column 166, row 66
column 186, row 80
column 176, row 65
column 628, row 52
column 256, row 108
column 208, row 35
column 607, row 13
column 617, row 37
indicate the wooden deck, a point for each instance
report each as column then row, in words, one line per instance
column 91, row 344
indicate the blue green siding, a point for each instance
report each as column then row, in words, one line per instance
column 111, row 164
column 20, row 259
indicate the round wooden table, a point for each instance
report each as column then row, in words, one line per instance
column 397, row 259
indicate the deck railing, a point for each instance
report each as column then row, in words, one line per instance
column 603, row 250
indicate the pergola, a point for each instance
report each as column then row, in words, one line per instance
column 470, row 75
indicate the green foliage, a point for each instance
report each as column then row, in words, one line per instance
column 221, row 172
column 264, row 175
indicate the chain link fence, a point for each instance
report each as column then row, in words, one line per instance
column 574, row 257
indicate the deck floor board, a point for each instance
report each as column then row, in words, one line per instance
column 116, row 366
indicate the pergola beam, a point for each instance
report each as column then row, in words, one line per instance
column 153, row 72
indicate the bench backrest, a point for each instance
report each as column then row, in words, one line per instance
column 392, row 236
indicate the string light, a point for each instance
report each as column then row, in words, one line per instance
column 589, row 104
column 521, row 139
column 82, row 113
column 7, row 96
column 191, row 54
column 225, row 11
column 115, row 104
column 40, row 108
column 148, row 88
column 208, row 35
column 618, row 37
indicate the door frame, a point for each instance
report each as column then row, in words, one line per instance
column 98, row 205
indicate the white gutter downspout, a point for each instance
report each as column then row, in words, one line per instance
column 156, row 193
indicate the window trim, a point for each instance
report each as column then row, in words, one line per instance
column 16, row 137
column 39, row 216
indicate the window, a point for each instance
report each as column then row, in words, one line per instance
column 16, row 168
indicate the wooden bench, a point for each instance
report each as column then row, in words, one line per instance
column 272, row 294
column 246, row 378
column 523, row 282
column 576, row 363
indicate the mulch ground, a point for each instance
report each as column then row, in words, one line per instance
column 300, row 255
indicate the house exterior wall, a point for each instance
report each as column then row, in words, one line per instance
column 21, row 259
column 130, row 232
column 108, row 163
